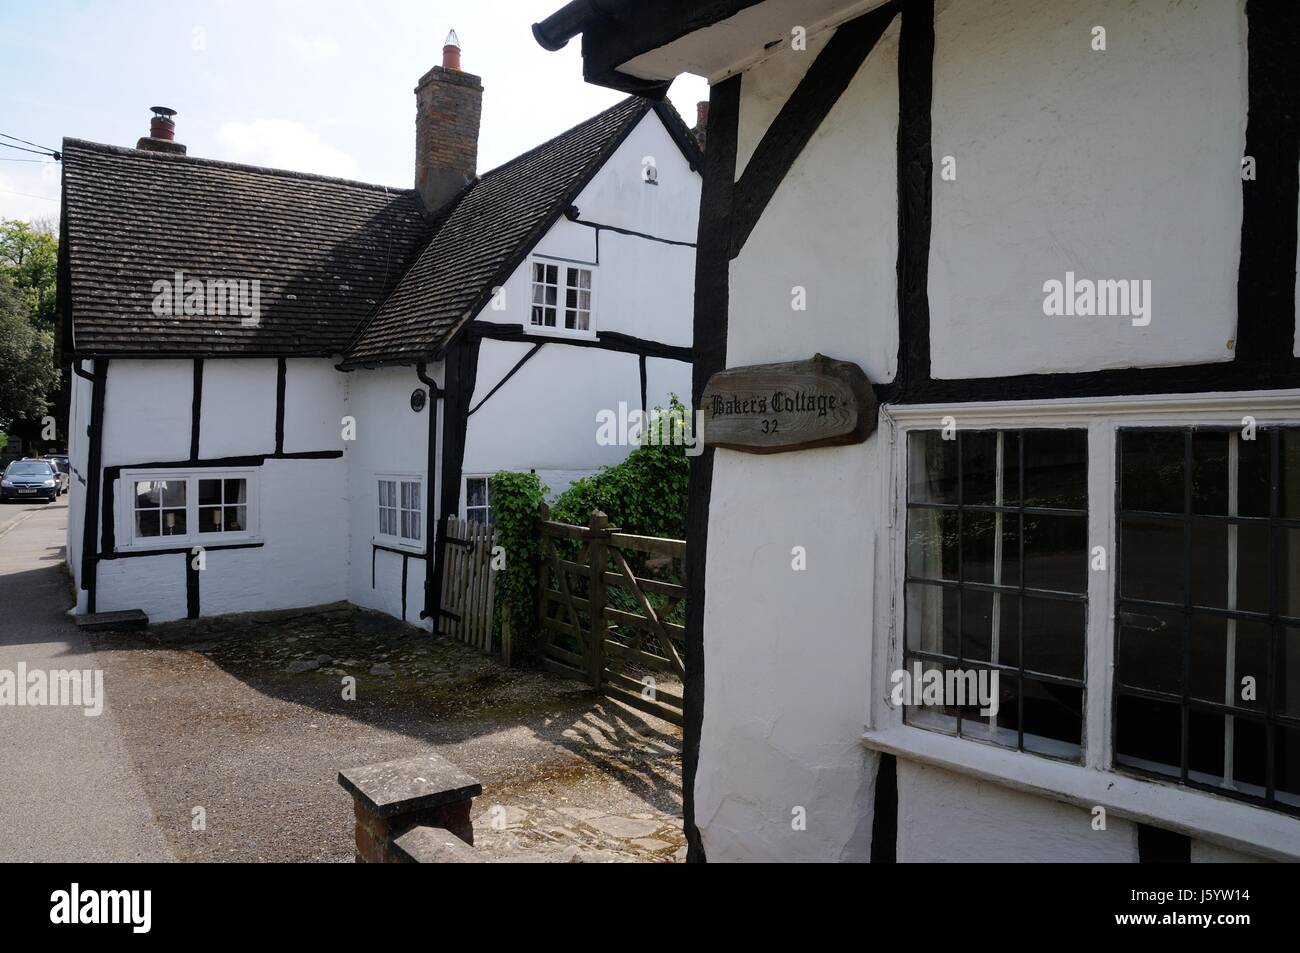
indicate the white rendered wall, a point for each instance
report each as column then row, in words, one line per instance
column 302, row 513
column 945, row 817
column 238, row 408
column 787, row 653
column 391, row 439
column 830, row 229
column 1122, row 164
column 544, row 418
column 147, row 410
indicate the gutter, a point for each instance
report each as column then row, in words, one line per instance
column 430, row 545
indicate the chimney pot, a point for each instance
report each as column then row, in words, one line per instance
column 162, row 132
column 451, row 52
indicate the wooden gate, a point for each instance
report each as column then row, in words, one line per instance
column 611, row 608
column 467, row 583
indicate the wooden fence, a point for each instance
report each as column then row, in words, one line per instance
column 604, row 618
column 467, row 589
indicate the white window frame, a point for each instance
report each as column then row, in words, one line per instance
column 398, row 541
column 464, row 493
column 129, row 541
column 563, row 268
column 1165, row 803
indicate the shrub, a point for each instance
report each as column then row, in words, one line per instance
column 645, row 494
column 515, row 499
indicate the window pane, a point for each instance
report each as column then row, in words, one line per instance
column 1056, row 553
column 1056, row 468
column 979, row 450
column 932, row 620
column 1288, row 572
column 173, row 522
column 209, row 492
column 1254, row 475
column 1209, row 678
column 932, row 468
column 173, row 492
column 147, row 494
column 1151, row 471
column 552, row 274
column 414, row 495
column 1289, row 474
column 938, row 716
column 475, row 491
column 932, row 540
column 980, row 556
column 979, row 612
column 1151, row 554
column 1148, row 734
column 236, row 491
column 1054, row 637
column 584, row 278
column 480, row 514
column 1210, row 473
column 1286, row 774
column 210, row 519
column 1053, row 718
column 1205, row 746
column 147, row 523
column 1288, row 672
column 539, row 271
column 236, row 518
column 1151, row 649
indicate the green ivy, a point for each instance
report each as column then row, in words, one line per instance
column 515, row 499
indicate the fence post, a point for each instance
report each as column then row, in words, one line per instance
column 598, row 536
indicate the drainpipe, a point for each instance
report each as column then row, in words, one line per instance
column 430, row 545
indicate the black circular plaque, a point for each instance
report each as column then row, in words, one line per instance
column 418, row 397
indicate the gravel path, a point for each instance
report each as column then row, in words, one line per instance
column 242, row 722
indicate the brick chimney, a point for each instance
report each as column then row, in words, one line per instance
column 448, row 104
column 701, row 121
column 162, row 133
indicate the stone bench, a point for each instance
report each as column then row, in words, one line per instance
column 393, row 798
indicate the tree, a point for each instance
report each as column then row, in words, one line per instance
column 29, row 256
column 27, row 373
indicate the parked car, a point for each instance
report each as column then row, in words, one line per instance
column 30, row 480
column 62, row 469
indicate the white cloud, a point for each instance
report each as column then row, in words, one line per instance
column 283, row 144
column 313, row 47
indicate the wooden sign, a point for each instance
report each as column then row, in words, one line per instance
column 772, row 408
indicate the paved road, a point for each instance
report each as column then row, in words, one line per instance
column 68, row 790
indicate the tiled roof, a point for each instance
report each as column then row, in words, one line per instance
column 492, row 226
column 325, row 252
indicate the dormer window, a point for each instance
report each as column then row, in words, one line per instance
column 561, row 296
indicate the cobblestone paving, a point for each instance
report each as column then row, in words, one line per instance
column 245, row 718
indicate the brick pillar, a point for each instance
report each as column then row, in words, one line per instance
column 391, row 798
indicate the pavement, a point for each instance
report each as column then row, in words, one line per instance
column 68, row 788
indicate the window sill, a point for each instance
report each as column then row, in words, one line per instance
column 397, row 546
column 1197, row 814
column 562, row 333
column 169, row 544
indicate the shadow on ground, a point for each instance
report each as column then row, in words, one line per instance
column 239, row 726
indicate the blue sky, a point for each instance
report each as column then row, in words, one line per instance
column 314, row 85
